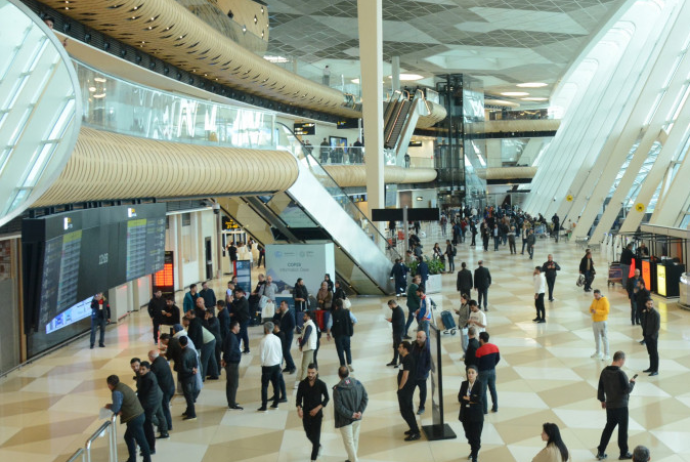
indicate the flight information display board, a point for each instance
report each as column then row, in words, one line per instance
column 70, row 256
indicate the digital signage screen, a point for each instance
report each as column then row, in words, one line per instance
column 304, row 128
column 70, row 256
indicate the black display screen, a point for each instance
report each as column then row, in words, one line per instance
column 304, row 128
column 70, row 256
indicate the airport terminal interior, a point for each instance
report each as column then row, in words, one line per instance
column 150, row 145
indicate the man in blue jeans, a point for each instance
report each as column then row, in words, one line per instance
column 487, row 357
column 127, row 406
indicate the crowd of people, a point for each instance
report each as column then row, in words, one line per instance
column 210, row 335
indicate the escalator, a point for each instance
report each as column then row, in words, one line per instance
column 400, row 119
column 315, row 209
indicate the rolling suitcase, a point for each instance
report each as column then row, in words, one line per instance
column 448, row 323
column 615, row 274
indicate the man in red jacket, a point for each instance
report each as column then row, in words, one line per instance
column 487, row 357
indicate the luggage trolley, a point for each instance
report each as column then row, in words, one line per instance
column 615, row 275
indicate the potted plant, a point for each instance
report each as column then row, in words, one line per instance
column 433, row 284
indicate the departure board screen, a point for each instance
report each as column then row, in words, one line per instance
column 70, row 256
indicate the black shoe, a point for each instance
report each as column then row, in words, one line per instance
column 413, row 436
column 262, row 409
column 274, row 406
column 215, row 377
column 163, row 436
column 101, row 345
column 189, row 417
column 184, row 414
column 408, row 432
column 494, row 410
column 150, row 453
column 91, row 347
column 602, row 456
column 647, row 370
column 246, row 352
column 642, row 342
column 292, row 371
column 286, row 369
column 391, row 364
column 420, row 411
column 652, row 374
column 535, row 320
column 542, row 321
column 627, row 456
column 551, row 299
column 407, row 337
column 283, row 400
column 236, row 408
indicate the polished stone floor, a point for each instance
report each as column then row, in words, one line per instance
column 48, row 408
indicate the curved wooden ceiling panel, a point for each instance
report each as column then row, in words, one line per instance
column 108, row 166
column 348, row 176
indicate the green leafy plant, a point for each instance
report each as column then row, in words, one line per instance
column 435, row 265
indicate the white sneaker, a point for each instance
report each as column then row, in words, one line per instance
column 596, row 355
column 605, row 358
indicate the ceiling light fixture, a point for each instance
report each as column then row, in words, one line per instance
column 515, row 93
column 276, row 59
column 100, row 79
column 532, row 85
column 409, row 77
column 535, row 99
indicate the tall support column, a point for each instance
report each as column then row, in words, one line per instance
column 369, row 14
column 395, row 73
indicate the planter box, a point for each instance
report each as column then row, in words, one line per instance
column 434, row 284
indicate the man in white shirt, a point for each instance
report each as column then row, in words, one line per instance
column 271, row 355
column 477, row 317
column 539, row 280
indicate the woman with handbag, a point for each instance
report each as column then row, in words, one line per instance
column 471, row 412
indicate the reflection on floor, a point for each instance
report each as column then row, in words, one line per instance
column 48, row 409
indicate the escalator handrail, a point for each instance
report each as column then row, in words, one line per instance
column 362, row 216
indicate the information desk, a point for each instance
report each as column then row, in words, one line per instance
column 668, row 276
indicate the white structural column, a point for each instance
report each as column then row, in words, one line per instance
column 369, row 13
column 668, row 210
column 395, row 73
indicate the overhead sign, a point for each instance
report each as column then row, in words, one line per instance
column 286, row 263
column 164, row 280
column 304, row 128
column 347, row 123
column 229, row 223
column 418, row 214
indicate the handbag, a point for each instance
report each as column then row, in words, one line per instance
column 580, row 280
column 346, row 303
column 262, row 301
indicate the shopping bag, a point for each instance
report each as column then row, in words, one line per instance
column 347, row 304
column 262, row 301
column 268, row 311
column 580, row 280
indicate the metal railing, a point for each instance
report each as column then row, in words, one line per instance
column 84, row 454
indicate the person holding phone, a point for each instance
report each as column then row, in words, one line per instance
column 471, row 412
column 613, row 393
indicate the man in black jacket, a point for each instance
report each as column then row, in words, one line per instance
column 631, row 288
column 209, row 296
column 240, row 312
column 421, row 352
column 194, row 329
column 464, row 283
column 186, row 372
column 652, row 322
column 223, row 319
column 100, row 317
column 406, row 386
column 397, row 321
column 285, row 318
column 156, row 307
column 587, row 270
column 472, row 346
column 613, row 393
column 231, row 362
column 641, row 297
column 150, row 396
column 482, row 282
column 550, row 269
column 342, row 331
column 312, row 397
column 161, row 369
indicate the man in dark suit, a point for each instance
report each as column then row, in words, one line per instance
column 397, row 321
column 652, row 322
column 150, row 396
column 285, row 318
column 472, row 346
column 161, row 369
column 471, row 397
column 240, row 313
column 464, row 283
column 156, row 307
column 482, row 282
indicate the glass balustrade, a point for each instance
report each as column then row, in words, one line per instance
column 288, row 141
column 114, row 104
